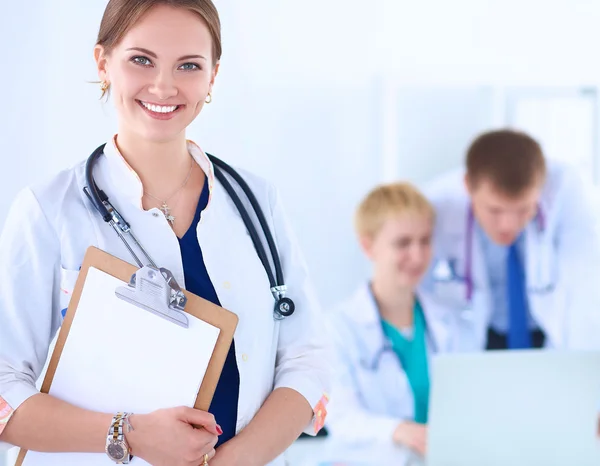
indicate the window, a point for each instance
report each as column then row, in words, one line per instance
column 564, row 121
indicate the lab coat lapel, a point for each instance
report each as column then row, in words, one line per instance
column 476, row 315
column 482, row 300
column 439, row 323
column 546, row 297
column 363, row 311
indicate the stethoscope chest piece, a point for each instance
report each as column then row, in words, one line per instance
column 284, row 307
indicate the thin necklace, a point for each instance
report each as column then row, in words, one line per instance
column 166, row 210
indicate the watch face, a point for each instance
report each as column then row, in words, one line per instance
column 116, row 451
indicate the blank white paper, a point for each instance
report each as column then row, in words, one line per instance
column 119, row 357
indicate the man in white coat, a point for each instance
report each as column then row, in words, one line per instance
column 516, row 247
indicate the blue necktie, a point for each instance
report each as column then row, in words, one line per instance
column 518, row 329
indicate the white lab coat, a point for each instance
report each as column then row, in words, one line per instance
column 562, row 261
column 50, row 227
column 371, row 393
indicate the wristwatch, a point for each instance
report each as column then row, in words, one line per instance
column 117, row 447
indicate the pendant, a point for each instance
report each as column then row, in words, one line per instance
column 166, row 211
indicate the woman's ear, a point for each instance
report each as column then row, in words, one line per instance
column 366, row 244
column 215, row 71
column 100, row 57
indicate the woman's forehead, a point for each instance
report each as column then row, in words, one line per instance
column 169, row 30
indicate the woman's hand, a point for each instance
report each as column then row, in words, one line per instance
column 412, row 435
column 167, row 437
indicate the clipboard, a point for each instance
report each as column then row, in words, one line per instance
column 98, row 263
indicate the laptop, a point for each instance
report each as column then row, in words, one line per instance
column 515, row 408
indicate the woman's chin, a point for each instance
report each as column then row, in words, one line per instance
column 409, row 281
column 161, row 135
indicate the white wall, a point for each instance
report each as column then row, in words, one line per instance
column 491, row 41
column 435, row 126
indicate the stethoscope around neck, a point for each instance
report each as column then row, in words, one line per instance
column 372, row 364
column 468, row 277
column 284, row 306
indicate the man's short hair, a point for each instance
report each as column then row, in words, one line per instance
column 511, row 160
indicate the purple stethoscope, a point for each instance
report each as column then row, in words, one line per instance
column 468, row 278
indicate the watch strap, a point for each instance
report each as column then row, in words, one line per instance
column 116, row 433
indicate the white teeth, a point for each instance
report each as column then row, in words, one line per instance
column 159, row 108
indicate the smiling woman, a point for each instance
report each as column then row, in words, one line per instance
column 159, row 60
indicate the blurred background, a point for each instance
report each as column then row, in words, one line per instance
column 326, row 98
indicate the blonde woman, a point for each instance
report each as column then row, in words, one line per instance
column 387, row 331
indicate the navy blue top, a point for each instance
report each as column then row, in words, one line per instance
column 225, row 401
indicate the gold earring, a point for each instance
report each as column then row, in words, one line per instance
column 208, row 99
column 104, row 88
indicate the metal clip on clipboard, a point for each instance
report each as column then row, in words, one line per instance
column 156, row 291
column 151, row 288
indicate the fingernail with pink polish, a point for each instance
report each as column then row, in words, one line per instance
column 219, row 430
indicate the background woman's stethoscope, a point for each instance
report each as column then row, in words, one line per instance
column 387, row 346
column 284, row 306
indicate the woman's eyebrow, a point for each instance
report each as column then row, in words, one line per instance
column 153, row 55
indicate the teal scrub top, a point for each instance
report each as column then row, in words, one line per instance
column 413, row 356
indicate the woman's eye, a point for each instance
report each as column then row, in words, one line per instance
column 141, row 61
column 189, row 67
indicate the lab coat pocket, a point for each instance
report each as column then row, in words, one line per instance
column 383, row 386
column 68, row 279
column 542, row 268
